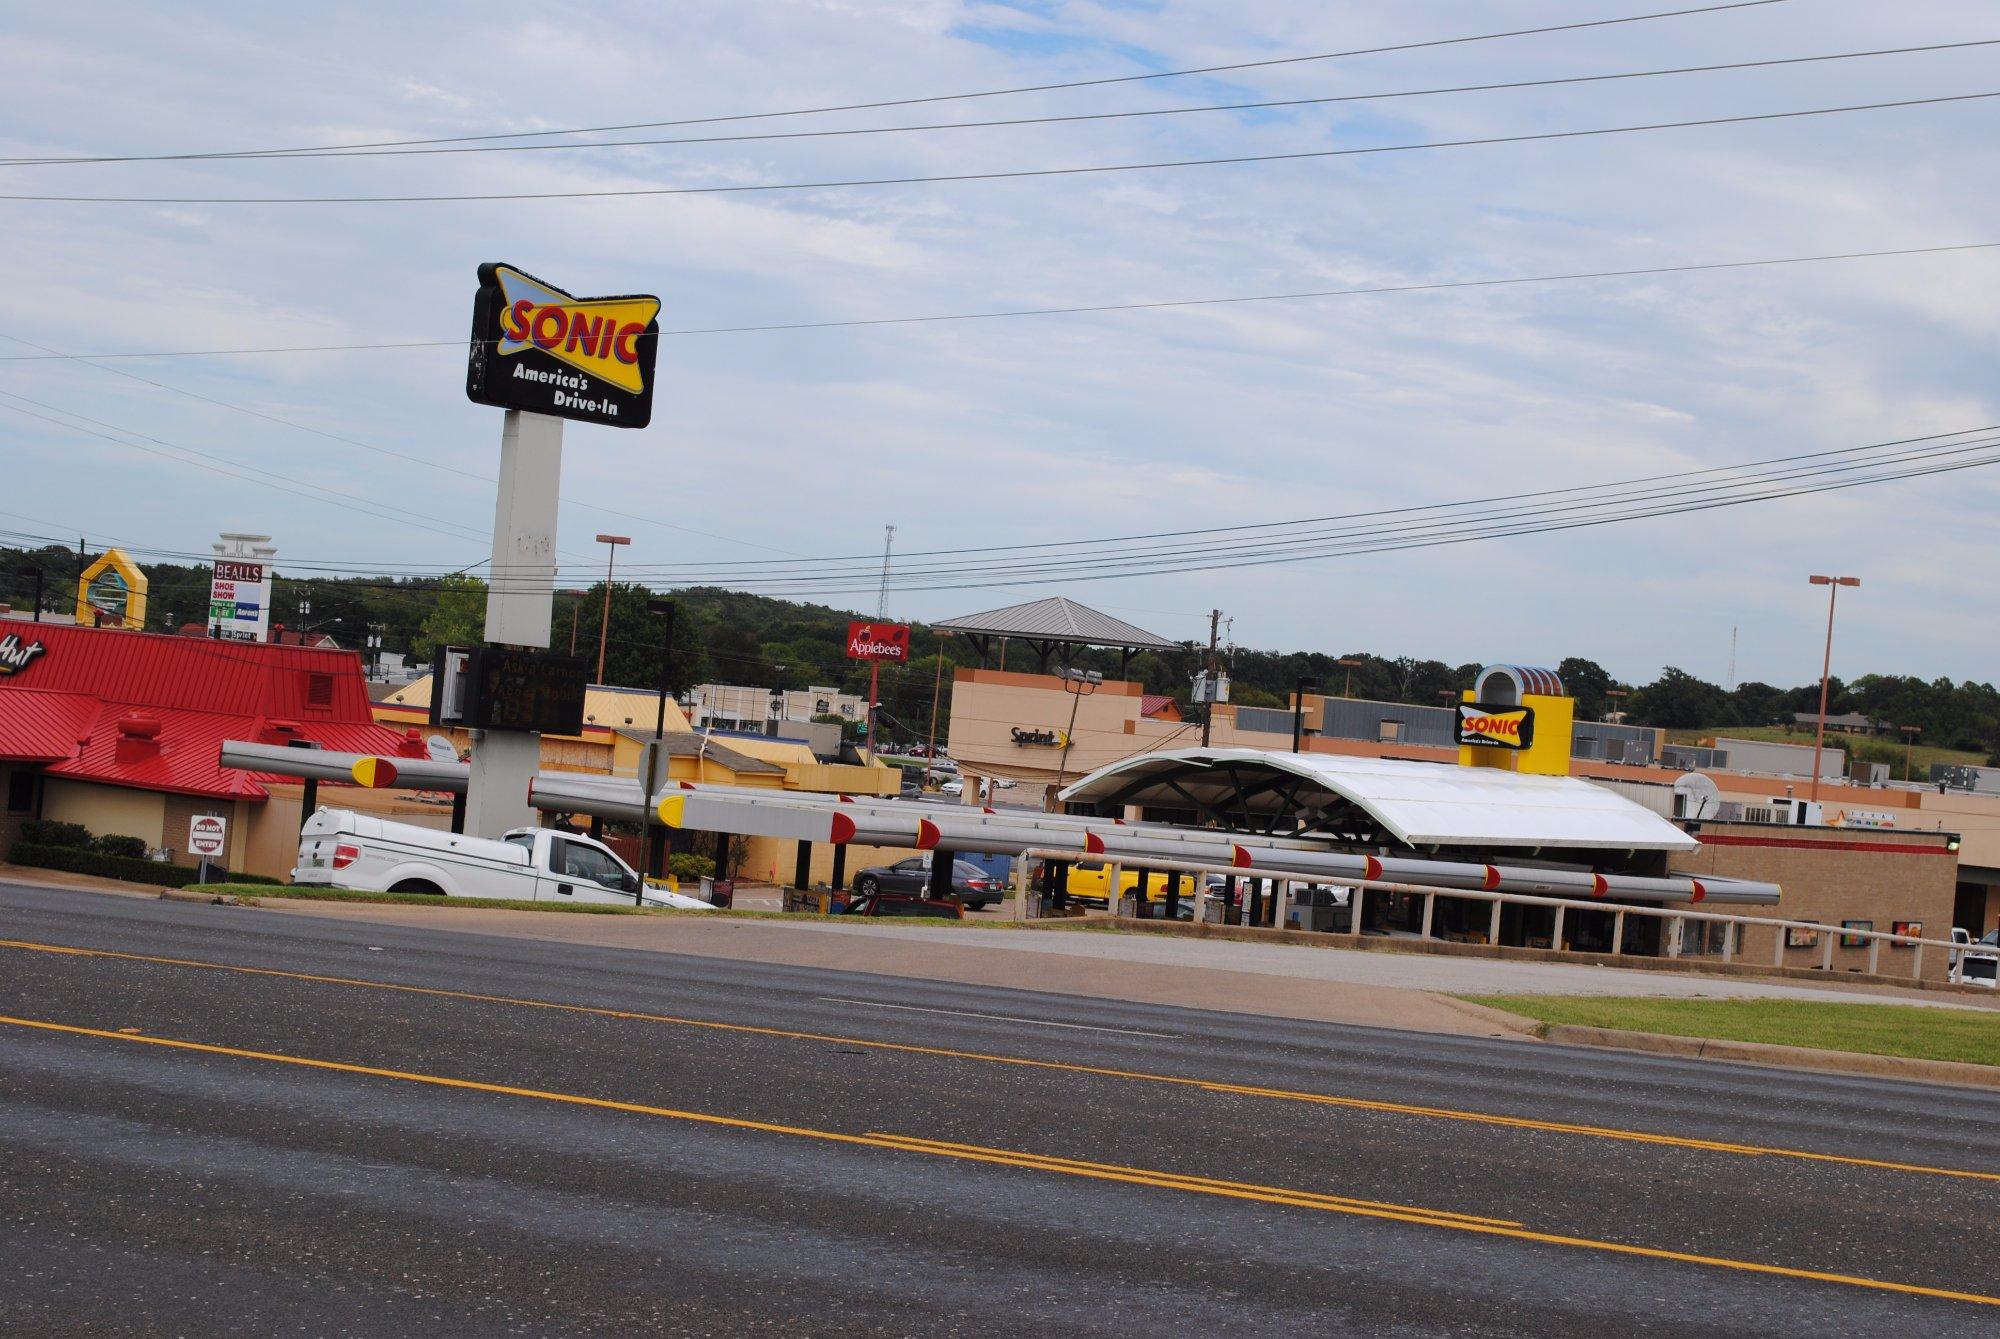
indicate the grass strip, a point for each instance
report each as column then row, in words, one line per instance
column 1971, row 1036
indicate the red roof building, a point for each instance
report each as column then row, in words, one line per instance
column 94, row 720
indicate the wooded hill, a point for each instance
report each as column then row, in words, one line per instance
column 730, row 637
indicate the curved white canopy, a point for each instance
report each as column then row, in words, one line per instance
column 1417, row 803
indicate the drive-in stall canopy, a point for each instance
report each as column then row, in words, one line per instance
column 1388, row 804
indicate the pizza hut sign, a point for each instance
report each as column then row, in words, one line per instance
column 878, row 641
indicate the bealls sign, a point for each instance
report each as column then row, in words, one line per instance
column 16, row 655
column 878, row 641
column 1494, row 727
column 536, row 347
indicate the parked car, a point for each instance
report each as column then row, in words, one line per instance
column 1090, row 885
column 894, row 904
column 1976, row 963
column 912, row 878
column 342, row 849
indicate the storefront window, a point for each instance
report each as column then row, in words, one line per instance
column 20, row 792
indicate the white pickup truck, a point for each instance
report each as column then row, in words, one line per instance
column 342, row 849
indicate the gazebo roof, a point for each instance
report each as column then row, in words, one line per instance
column 1057, row 621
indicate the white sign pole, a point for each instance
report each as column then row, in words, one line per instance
column 520, row 598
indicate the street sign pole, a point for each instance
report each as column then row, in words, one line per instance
column 520, row 599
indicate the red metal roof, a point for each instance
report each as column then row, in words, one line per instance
column 1161, row 705
column 151, row 711
column 44, row 727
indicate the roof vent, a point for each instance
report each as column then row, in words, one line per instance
column 319, row 691
column 138, row 737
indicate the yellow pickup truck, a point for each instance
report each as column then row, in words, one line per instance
column 1089, row 884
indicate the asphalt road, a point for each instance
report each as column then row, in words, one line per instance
column 189, row 1149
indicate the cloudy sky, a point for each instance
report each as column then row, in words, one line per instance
column 767, row 448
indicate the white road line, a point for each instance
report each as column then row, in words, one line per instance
column 998, row 1018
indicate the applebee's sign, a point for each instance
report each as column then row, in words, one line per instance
column 16, row 655
column 878, row 641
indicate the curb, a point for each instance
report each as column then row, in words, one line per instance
column 1505, row 953
column 1764, row 1053
column 211, row 899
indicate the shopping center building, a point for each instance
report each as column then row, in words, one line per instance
column 1877, row 855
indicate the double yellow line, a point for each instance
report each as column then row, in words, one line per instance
column 1025, row 1062
column 1188, row 1184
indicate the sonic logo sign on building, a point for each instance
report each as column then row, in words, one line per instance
column 878, row 641
column 1482, row 726
column 538, row 348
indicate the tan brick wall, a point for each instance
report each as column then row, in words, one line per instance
column 1829, row 875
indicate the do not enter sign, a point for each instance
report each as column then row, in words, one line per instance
column 207, row 835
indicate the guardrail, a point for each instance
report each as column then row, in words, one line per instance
column 1360, row 888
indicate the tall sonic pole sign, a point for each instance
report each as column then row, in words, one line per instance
column 543, row 355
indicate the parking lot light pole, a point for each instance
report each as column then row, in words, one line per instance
column 1910, row 733
column 1348, row 689
column 656, row 836
column 1299, row 692
column 1833, row 585
column 1079, row 684
column 604, row 629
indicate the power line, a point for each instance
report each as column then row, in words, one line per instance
column 1009, row 122
column 961, row 97
column 1126, row 543
column 1437, row 532
column 283, row 483
column 1015, row 175
column 88, row 361
column 1379, row 290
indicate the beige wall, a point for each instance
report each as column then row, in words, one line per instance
column 1828, row 875
column 110, row 809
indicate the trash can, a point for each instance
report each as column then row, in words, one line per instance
column 720, row 891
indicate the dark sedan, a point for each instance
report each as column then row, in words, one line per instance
column 970, row 884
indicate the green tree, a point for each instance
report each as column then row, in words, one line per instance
column 457, row 616
column 1587, row 682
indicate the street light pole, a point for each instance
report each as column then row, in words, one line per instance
column 604, row 630
column 1910, row 733
column 1079, row 684
column 656, row 841
column 1833, row 585
column 1347, row 690
column 1299, row 691
column 937, row 685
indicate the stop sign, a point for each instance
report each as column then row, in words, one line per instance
column 207, row 835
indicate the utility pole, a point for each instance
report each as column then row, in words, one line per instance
column 881, row 612
column 604, row 629
column 1214, row 669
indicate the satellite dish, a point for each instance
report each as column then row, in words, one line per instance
column 440, row 749
column 1696, row 796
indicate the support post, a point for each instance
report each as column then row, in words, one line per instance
column 721, row 855
column 1618, row 932
column 802, row 867
column 1357, row 910
column 1021, row 890
column 1874, row 954
column 1556, row 930
column 518, row 605
column 458, row 812
column 1778, row 946
column 1729, row 932
column 1671, row 928
column 839, row 879
column 1279, row 902
column 1826, row 952
column 309, row 800
column 939, row 887
column 1917, row 961
column 1430, row 908
column 1493, row 926
column 1173, row 891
